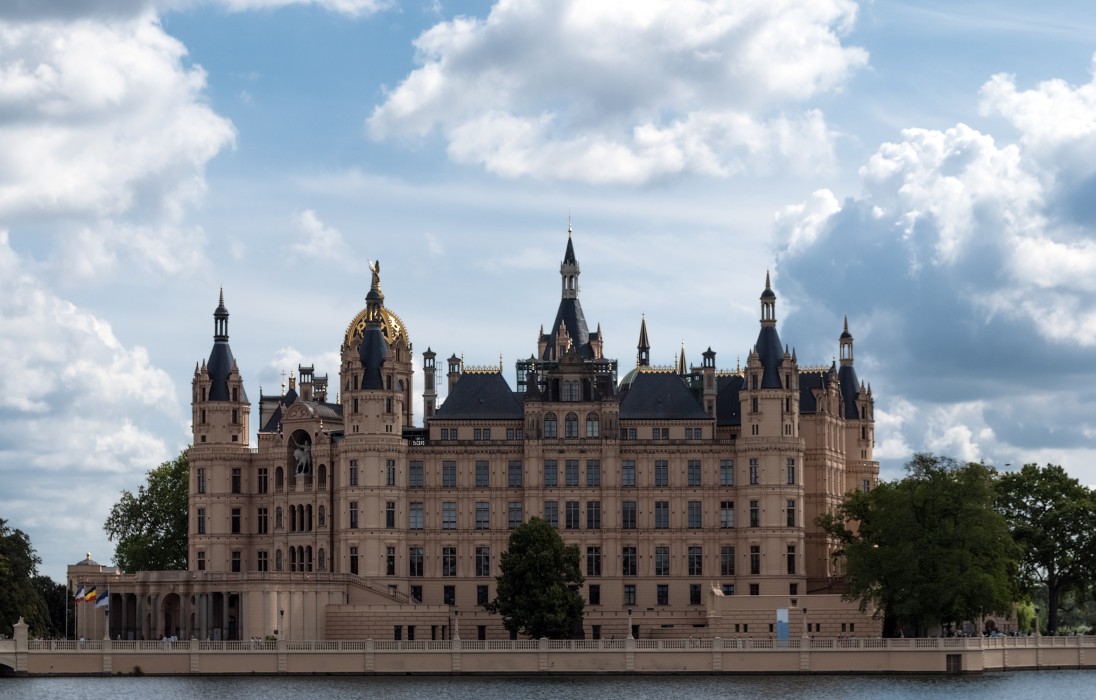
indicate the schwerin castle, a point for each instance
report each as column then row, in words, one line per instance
column 691, row 492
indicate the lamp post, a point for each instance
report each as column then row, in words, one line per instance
column 630, row 624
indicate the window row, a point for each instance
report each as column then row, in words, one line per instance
column 481, row 434
column 295, row 559
column 262, row 479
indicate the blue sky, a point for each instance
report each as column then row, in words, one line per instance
column 925, row 167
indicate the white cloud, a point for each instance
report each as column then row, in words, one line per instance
column 626, row 92
column 318, row 241
column 354, row 8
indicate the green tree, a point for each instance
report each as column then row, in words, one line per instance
column 538, row 585
column 929, row 549
column 19, row 597
column 55, row 597
column 1052, row 516
column 151, row 527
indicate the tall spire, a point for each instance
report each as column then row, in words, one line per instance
column 569, row 315
column 220, row 320
column 221, row 362
column 643, row 355
column 682, row 368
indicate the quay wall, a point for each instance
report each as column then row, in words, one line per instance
column 568, row 657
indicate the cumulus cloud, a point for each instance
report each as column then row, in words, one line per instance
column 626, row 92
column 972, row 236
column 317, row 241
column 354, row 8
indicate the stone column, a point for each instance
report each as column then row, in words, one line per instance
column 224, row 615
column 184, row 614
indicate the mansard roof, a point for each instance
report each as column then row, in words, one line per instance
column 481, row 395
column 660, row 396
column 727, row 404
column 808, row 382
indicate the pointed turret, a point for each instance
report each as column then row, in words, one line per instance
column 569, row 328
column 682, row 366
column 768, row 347
column 850, row 385
column 221, row 361
column 643, row 348
column 374, row 348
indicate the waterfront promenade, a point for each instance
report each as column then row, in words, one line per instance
column 699, row 656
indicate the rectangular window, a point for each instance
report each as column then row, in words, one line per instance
column 449, row 515
column 201, row 480
column 390, row 514
column 449, row 473
column 593, row 561
column 201, row 561
column 693, row 472
column 390, row 560
column 755, row 589
column 571, row 473
column 594, row 594
column 570, row 510
column 791, row 471
column 662, row 594
column 791, row 559
column 353, row 472
column 264, row 480
column 726, row 560
column 390, row 472
column 662, row 472
column 696, row 561
column 414, row 561
column 628, row 561
column 483, row 473
column 755, row 475
column 353, row 514
column 628, row 473
column 593, row 472
column 476, row 434
column 482, row 595
column 728, row 589
column 263, row 562
column 448, row 561
column 694, row 594
column 628, row 515
column 755, row 514
column 662, row 560
column 262, row 518
column 483, row 561
column 414, row 515
column 694, row 515
column 416, row 592
column 654, row 433
column 551, row 513
column 236, row 480
column 755, row 559
column 513, row 474
column 791, row 512
column 629, row 594
column 414, row 475
column 483, row 515
column 726, row 472
column 726, row 514
column 513, row 514
column 662, row 515
column 201, row 521
column 353, row 561
column 593, row 515
column 486, row 433
column 236, row 559
column 551, row 473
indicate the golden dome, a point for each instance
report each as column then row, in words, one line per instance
column 391, row 327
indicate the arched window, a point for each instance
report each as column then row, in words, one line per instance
column 550, row 430
column 278, row 519
column 292, row 519
column 308, row 558
column 308, row 518
column 593, row 425
column 278, row 560
column 279, row 479
column 567, row 392
column 292, row 558
column 321, row 560
column 570, row 426
column 322, row 517
column 300, row 518
column 322, row 477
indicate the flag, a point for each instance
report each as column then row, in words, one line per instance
column 104, row 601
column 89, row 597
column 80, row 595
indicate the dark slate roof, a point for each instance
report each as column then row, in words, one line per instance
column 324, row 411
column 276, row 417
column 850, row 387
column 771, row 353
column 569, row 255
column 219, row 367
column 372, row 352
column 808, row 382
column 728, row 406
column 481, row 395
column 658, row 395
column 570, row 314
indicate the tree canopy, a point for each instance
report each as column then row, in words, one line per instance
column 538, row 585
column 928, row 549
column 151, row 527
column 1052, row 517
column 19, row 594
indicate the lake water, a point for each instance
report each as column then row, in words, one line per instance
column 1022, row 684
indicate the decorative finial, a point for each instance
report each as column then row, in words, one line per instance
column 87, row 555
column 221, row 300
column 767, row 285
column 500, row 363
column 568, row 223
column 846, row 323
